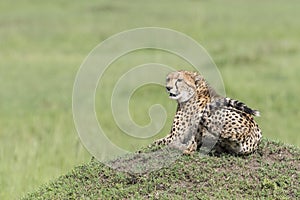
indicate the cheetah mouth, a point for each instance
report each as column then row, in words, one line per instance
column 173, row 96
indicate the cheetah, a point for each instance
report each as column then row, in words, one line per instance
column 202, row 112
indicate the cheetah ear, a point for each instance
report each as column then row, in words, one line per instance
column 197, row 77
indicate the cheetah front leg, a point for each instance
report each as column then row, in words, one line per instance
column 194, row 142
column 186, row 143
column 184, row 134
column 164, row 141
column 191, row 148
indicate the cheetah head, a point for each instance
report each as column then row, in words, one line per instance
column 181, row 85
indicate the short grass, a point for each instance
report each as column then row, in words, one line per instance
column 42, row 44
column 270, row 173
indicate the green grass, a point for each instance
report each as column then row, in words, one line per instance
column 42, row 44
column 270, row 173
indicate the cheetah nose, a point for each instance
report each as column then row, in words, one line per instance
column 168, row 88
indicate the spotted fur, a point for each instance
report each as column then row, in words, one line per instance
column 201, row 112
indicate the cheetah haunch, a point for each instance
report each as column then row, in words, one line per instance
column 202, row 112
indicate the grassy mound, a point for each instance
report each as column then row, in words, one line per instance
column 272, row 172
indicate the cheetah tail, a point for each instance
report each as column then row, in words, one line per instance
column 256, row 113
column 240, row 106
column 234, row 104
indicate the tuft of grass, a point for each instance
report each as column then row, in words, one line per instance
column 272, row 172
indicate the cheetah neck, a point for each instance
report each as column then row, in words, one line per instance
column 204, row 94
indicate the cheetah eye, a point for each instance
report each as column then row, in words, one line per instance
column 180, row 79
column 168, row 79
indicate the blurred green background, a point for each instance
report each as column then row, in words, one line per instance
column 42, row 45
